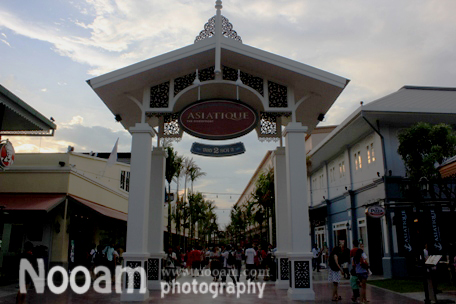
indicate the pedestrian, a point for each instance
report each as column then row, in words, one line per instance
column 31, row 258
column 315, row 258
column 195, row 255
column 353, row 250
column 92, row 256
column 257, row 261
column 171, row 261
column 239, row 257
column 250, row 254
column 344, row 259
column 361, row 266
column 108, row 252
column 334, row 272
column 229, row 261
column 354, row 283
column 215, row 264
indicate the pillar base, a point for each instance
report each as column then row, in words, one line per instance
column 283, row 278
column 301, row 285
column 136, row 293
column 301, row 294
column 154, row 267
column 136, row 296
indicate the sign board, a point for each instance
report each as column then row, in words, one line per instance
column 375, row 211
column 218, row 119
column 7, row 154
column 218, row 150
column 433, row 259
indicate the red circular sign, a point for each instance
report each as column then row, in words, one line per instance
column 218, row 119
column 375, row 211
column 7, row 154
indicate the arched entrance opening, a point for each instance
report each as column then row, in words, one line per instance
column 289, row 99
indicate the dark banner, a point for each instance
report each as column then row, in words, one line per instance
column 407, row 243
column 436, row 244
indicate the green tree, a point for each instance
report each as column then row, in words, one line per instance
column 423, row 146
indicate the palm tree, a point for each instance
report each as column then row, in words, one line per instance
column 170, row 172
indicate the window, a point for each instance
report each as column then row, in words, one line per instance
column 125, row 180
column 360, row 161
column 370, row 153
column 356, row 162
column 342, row 169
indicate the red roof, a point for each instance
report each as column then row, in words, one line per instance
column 33, row 202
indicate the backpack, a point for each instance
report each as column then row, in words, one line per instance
column 231, row 259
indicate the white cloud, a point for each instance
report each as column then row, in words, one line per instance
column 245, row 171
column 5, row 42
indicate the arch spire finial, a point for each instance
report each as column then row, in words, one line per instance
column 218, row 5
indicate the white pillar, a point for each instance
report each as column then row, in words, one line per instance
column 300, row 255
column 282, row 222
column 157, row 199
column 138, row 211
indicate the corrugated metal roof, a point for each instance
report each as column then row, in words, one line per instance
column 416, row 100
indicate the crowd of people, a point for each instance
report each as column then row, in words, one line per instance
column 223, row 261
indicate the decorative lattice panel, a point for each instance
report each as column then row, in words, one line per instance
column 284, row 273
column 302, row 274
column 277, row 95
column 209, row 30
column 132, row 274
column 153, row 266
column 183, row 82
column 159, row 95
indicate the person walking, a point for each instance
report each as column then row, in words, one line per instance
column 354, row 284
column 92, row 256
column 215, row 264
column 361, row 267
column 229, row 261
column 334, row 272
column 344, row 259
column 250, row 254
column 239, row 255
column 315, row 258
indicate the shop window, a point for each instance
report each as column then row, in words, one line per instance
column 125, row 180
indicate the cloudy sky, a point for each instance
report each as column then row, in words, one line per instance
column 49, row 48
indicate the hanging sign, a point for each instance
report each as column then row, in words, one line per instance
column 7, row 154
column 435, row 231
column 375, row 211
column 218, row 119
column 406, row 232
column 218, row 150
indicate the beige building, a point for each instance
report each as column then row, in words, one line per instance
column 62, row 203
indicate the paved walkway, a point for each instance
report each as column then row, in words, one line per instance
column 271, row 295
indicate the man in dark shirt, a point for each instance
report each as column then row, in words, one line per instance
column 344, row 259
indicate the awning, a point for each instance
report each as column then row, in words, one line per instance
column 102, row 209
column 31, row 202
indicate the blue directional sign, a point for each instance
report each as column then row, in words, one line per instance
column 218, row 150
